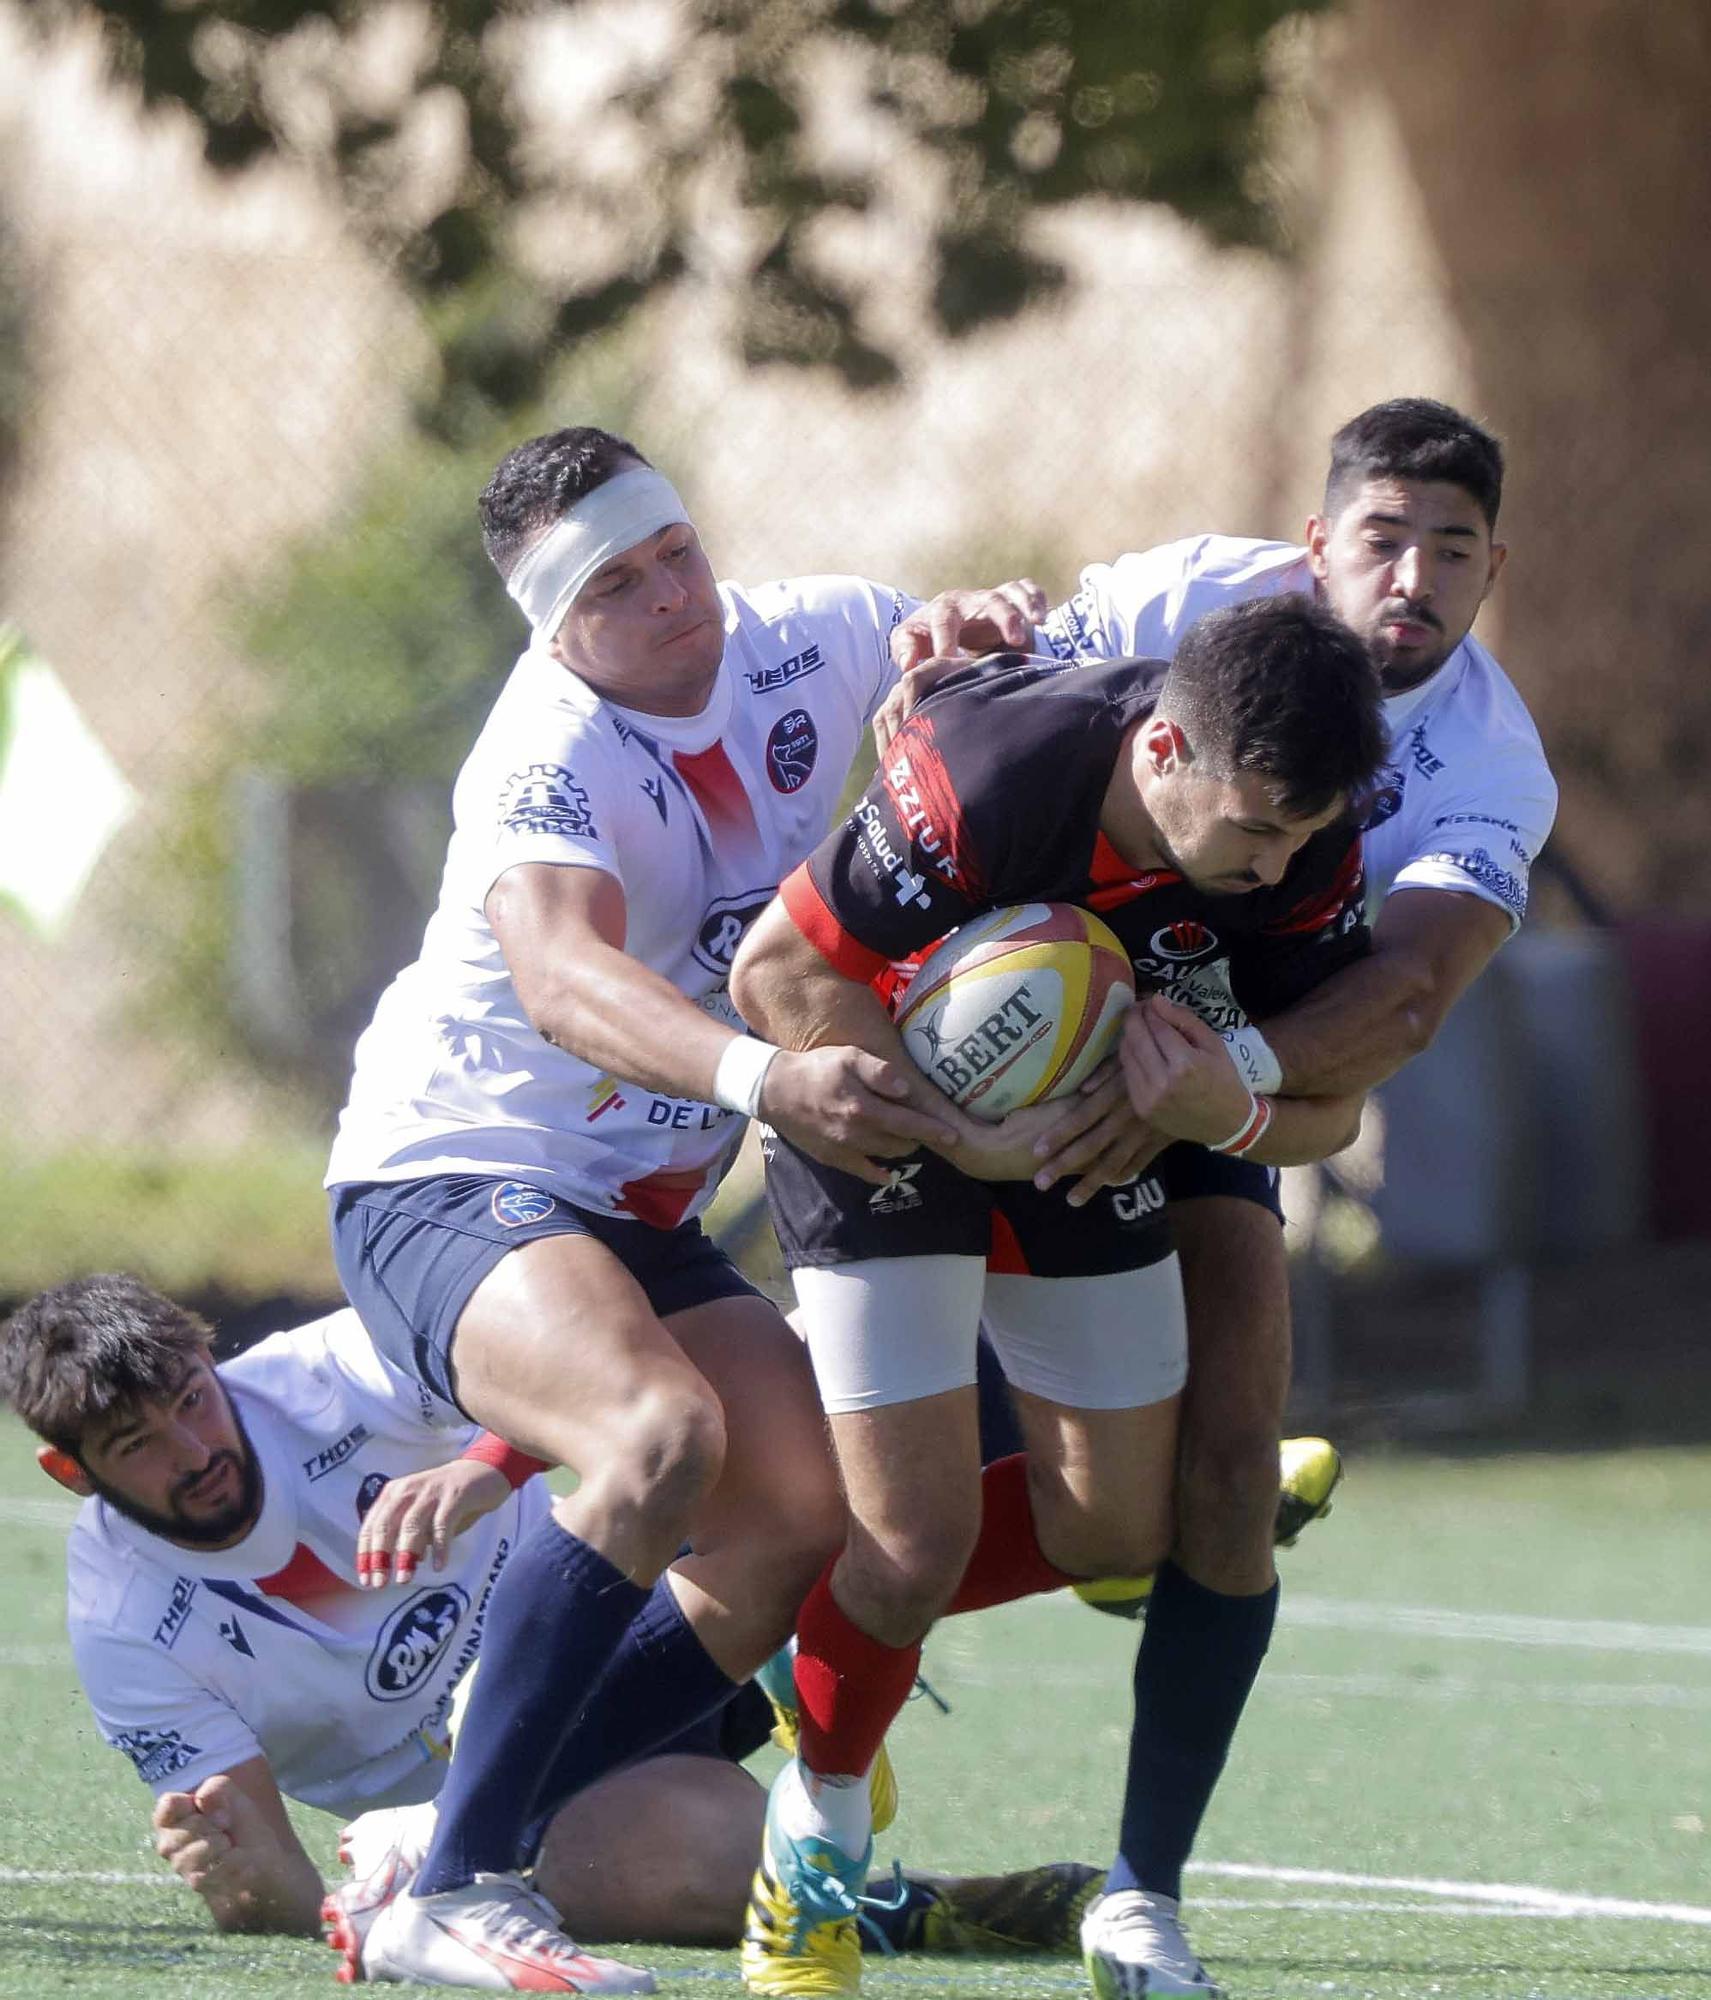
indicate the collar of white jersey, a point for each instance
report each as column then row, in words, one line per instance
column 269, row 1545
column 1399, row 709
column 689, row 733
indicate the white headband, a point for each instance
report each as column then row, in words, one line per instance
column 614, row 517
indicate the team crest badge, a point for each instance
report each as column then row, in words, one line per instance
column 516, row 1204
column 791, row 751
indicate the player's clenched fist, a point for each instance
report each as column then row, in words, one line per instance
column 422, row 1511
column 210, row 1837
column 850, row 1110
column 1179, row 1074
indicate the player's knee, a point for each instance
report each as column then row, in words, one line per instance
column 1229, row 1477
column 899, row 1585
column 668, row 1451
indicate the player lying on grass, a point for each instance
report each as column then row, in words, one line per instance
column 1405, row 553
column 254, row 1616
column 1210, row 807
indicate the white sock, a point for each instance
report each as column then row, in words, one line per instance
column 811, row 1807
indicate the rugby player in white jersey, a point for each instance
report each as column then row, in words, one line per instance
column 1405, row 552
column 249, row 1624
column 542, row 1106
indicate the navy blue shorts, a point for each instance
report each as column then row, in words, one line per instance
column 1187, row 1172
column 410, row 1254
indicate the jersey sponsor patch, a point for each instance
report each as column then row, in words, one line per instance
column 1183, row 940
column 1508, row 887
column 768, row 680
column 369, row 1492
column 157, row 1753
column 177, row 1610
column 334, row 1455
column 515, row 1204
column 545, row 798
column 413, row 1640
column 792, row 748
column 1386, row 800
column 725, row 926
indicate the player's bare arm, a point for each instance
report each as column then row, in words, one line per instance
column 1365, row 1022
column 231, row 1841
column 1181, row 1079
column 562, row 932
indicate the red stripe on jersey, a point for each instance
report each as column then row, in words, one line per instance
column 719, row 792
column 1317, row 913
column 928, row 809
column 1116, row 880
column 660, row 1198
column 813, row 917
column 1004, row 1252
column 303, row 1579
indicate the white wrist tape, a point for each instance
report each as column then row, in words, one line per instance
column 741, row 1072
column 603, row 524
column 1255, row 1062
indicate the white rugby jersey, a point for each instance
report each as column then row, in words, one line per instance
column 1466, row 798
column 196, row 1661
column 699, row 818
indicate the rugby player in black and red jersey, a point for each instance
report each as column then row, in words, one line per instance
column 1209, row 813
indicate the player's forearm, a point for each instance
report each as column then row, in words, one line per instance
column 622, row 1017
column 1358, row 1028
column 788, row 993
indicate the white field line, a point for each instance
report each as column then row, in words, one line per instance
column 1446, row 1687
column 1403, row 1621
column 43, row 1513
column 973, row 1673
column 35, row 1656
column 1519, row 1898
column 1441, row 1897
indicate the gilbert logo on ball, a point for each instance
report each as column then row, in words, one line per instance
column 1020, row 1005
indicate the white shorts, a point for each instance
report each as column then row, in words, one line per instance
column 897, row 1329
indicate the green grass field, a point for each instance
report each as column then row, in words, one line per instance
column 1478, row 1766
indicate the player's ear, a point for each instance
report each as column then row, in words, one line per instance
column 1318, row 534
column 1499, row 556
column 1165, row 745
column 64, row 1470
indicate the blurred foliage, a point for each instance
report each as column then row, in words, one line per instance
column 249, row 1223
column 1013, row 107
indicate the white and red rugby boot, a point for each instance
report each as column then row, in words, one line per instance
column 495, row 1933
column 382, row 1849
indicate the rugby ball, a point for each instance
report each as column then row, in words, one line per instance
column 1016, row 1007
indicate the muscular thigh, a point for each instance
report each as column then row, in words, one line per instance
column 1101, row 1482
column 777, row 1458
column 558, row 1346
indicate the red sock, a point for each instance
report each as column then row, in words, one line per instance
column 1006, row 1563
column 848, row 1687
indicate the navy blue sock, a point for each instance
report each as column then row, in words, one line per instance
column 556, row 1616
column 660, row 1682
column 1200, row 1654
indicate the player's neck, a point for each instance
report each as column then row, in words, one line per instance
column 1124, row 819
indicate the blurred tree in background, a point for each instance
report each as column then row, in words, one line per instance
column 1012, row 108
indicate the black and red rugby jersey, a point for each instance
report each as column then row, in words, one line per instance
column 990, row 794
